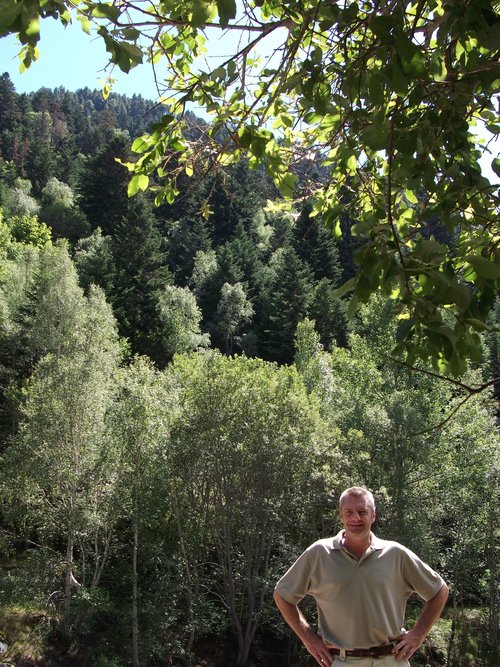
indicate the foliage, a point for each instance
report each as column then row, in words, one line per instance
column 57, row 192
column 191, row 482
column 288, row 297
column 244, row 425
column 59, row 457
column 180, row 318
column 385, row 97
column 139, row 278
column 27, row 628
column 391, row 419
column 94, row 261
column 140, row 428
column 19, row 201
column 28, row 230
column 233, row 312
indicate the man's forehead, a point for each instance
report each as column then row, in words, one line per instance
column 355, row 502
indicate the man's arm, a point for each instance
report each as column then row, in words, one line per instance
column 295, row 619
column 414, row 638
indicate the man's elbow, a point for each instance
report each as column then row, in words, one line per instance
column 441, row 596
column 277, row 598
column 444, row 592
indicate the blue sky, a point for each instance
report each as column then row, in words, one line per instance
column 73, row 59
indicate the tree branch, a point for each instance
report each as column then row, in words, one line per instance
column 457, row 383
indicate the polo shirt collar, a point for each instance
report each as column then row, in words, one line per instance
column 375, row 544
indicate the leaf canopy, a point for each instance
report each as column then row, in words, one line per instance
column 386, row 97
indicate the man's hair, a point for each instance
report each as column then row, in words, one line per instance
column 358, row 491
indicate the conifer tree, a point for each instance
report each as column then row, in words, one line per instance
column 228, row 271
column 94, row 262
column 103, row 187
column 317, row 246
column 234, row 197
column 184, row 238
column 140, row 276
column 287, row 302
column 10, row 117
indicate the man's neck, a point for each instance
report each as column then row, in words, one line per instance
column 356, row 547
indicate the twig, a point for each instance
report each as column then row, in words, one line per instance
column 461, row 385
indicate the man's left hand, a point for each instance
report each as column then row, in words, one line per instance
column 410, row 642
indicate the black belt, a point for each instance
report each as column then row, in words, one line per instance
column 372, row 652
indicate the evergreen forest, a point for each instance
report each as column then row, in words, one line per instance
column 183, row 399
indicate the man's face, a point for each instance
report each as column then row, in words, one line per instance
column 357, row 516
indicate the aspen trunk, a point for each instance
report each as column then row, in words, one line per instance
column 135, row 620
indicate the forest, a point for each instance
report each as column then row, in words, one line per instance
column 183, row 399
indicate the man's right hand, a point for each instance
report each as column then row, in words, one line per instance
column 313, row 642
column 316, row 647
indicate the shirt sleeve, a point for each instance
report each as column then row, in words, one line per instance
column 295, row 583
column 419, row 577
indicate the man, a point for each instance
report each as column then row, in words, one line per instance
column 360, row 585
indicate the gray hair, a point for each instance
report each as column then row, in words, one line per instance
column 358, row 491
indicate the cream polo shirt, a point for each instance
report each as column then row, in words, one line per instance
column 361, row 602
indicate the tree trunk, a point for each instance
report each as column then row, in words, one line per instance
column 135, row 621
column 492, row 563
column 70, row 544
column 100, row 562
column 68, row 578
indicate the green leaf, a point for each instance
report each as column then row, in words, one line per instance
column 137, row 182
column 404, row 329
column 484, row 267
column 353, row 307
column 411, row 196
column 495, row 165
column 382, row 26
column 479, row 325
column 9, row 13
column 341, row 291
column 438, row 67
column 375, row 137
column 202, row 12
column 376, row 88
column 352, row 165
column 286, row 184
column 330, row 121
column 140, row 144
column 85, row 23
column 399, row 82
column 104, row 11
column 133, row 52
column 226, row 10
column 131, row 33
column 430, row 252
column 33, row 28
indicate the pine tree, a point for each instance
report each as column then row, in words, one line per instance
column 329, row 314
column 41, row 158
column 228, row 271
column 10, row 117
column 287, row 302
column 317, row 246
column 103, row 187
column 184, row 238
column 140, row 276
column 235, row 197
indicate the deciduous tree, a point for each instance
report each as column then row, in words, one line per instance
column 58, row 462
column 244, row 448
